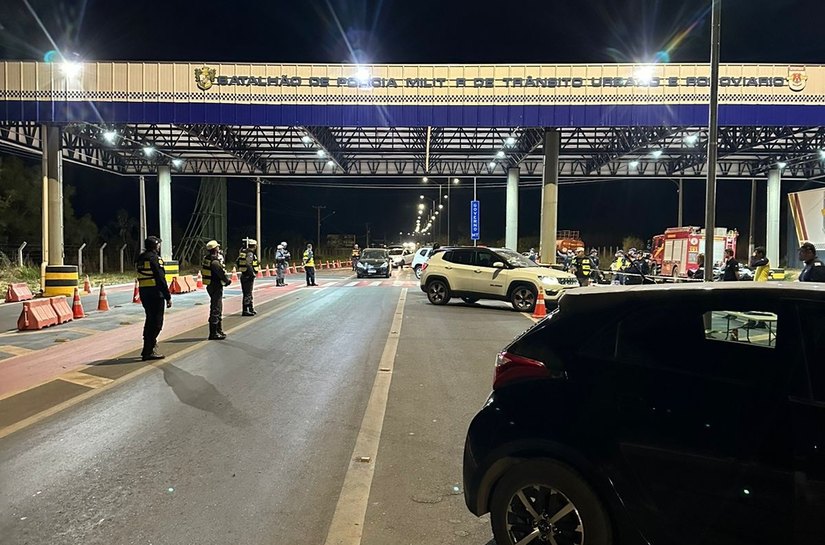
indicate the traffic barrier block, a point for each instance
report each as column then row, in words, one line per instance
column 18, row 292
column 62, row 309
column 179, row 285
column 192, row 282
column 776, row 274
column 36, row 315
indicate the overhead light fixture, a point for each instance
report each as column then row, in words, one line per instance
column 330, row 163
column 71, row 69
column 321, row 153
column 500, row 154
column 425, row 179
column 455, row 180
column 421, row 197
column 148, row 151
column 492, row 164
column 110, row 136
column 440, row 206
column 691, row 139
column 822, row 154
column 510, row 141
column 781, row 165
column 644, row 74
column 421, row 206
column 436, row 212
column 420, row 212
column 446, row 196
column 656, row 153
column 633, row 164
column 306, row 139
column 362, row 75
column 177, row 162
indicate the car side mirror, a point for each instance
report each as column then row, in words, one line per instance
column 498, row 265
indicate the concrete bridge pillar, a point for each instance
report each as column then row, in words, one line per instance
column 52, row 168
column 165, row 210
column 511, row 215
column 550, row 196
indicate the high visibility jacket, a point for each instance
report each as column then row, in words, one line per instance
column 618, row 265
column 247, row 259
column 206, row 269
column 149, row 277
column 763, row 267
column 309, row 258
column 583, row 265
column 356, row 252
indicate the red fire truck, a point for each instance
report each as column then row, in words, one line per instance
column 676, row 251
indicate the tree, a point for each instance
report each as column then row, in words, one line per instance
column 631, row 241
column 20, row 201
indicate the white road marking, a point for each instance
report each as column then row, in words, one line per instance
column 376, row 283
column 348, row 521
column 353, row 283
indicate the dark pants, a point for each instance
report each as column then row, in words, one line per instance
column 154, row 306
column 280, row 269
column 247, row 284
column 310, row 275
column 215, row 292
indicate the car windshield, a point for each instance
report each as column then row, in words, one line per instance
column 396, row 251
column 373, row 254
column 515, row 259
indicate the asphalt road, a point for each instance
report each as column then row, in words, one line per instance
column 248, row 441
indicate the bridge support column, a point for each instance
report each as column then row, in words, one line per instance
column 511, row 215
column 165, row 211
column 550, row 196
column 772, row 235
column 52, row 167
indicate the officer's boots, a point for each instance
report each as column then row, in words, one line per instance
column 150, row 353
column 215, row 334
column 221, row 334
column 247, row 311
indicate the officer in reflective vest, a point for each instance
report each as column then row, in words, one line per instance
column 154, row 295
column 760, row 264
column 214, row 278
column 248, row 267
column 356, row 255
column 309, row 265
column 281, row 262
column 582, row 267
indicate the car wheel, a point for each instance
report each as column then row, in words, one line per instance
column 523, row 298
column 675, row 273
column 470, row 300
column 438, row 293
column 417, row 271
column 359, row 275
column 550, row 502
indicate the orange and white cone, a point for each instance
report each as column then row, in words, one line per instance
column 234, row 278
column 102, row 301
column 87, row 286
column 136, row 294
column 77, row 306
column 199, row 283
column 540, row 311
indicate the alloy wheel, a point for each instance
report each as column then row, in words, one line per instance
column 541, row 514
column 437, row 292
column 523, row 299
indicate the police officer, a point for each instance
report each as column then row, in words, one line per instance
column 814, row 270
column 760, row 264
column 214, row 278
column 248, row 267
column 154, row 295
column 637, row 270
column 281, row 261
column 309, row 265
column 582, row 267
column 356, row 255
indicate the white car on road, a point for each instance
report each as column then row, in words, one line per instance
column 422, row 255
column 400, row 257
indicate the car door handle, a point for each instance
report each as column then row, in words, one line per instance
column 448, row 268
column 477, row 271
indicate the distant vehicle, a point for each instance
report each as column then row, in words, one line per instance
column 676, row 251
column 568, row 240
column 400, row 257
column 491, row 273
column 374, row 262
column 693, row 414
column 421, row 256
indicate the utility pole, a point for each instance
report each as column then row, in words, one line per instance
column 710, row 188
column 318, row 209
column 367, row 243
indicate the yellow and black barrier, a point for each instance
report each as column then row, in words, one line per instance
column 776, row 274
column 60, row 280
column 172, row 269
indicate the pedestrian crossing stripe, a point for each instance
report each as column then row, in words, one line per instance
column 384, row 283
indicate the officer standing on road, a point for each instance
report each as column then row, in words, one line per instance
column 731, row 271
column 760, row 264
column 596, row 275
column 637, row 269
column 814, row 270
column 356, row 255
column 582, row 267
column 248, row 267
column 214, row 278
column 281, row 259
column 154, row 295
column 309, row 265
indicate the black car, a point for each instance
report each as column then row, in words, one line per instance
column 679, row 414
column 374, row 262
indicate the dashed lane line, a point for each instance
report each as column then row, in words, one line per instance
column 348, row 521
column 85, row 379
column 15, row 350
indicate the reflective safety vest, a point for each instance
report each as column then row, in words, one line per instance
column 242, row 261
column 356, row 252
column 309, row 259
column 584, row 266
column 206, row 269
column 145, row 277
column 761, row 273
column 618, row 265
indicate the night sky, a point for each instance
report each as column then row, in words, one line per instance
column 423, row 31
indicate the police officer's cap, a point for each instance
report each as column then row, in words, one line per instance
column 280, row 247
column 283, row 244
column 251, row 242
column 151, row 242
column 212, row 244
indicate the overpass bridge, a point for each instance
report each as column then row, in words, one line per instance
column 549, row 124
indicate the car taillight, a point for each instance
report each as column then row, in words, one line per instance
column 424, row 267
column 511, row 367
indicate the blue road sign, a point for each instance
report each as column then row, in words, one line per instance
column 475, row 220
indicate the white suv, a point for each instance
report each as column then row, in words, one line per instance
column 491, row 273
column 421, row 257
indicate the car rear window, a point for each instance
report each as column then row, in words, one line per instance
column 460, row 257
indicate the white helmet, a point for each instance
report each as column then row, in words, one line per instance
column 280, row 246
column 283, row 244
column 212, row 244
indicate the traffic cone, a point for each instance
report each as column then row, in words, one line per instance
column 87, row 286
column 199, row 283
column 234, row 275
column 102, row 301
column 77, row 306
column 261, row 273
column 540, row 310
column 136, row 294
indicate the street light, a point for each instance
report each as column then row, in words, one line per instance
column 110, row 136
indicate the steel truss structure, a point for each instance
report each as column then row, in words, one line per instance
column 330, row 152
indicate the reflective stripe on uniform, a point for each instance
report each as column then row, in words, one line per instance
column 206, row 270
column 242, row 262
column 144, row 275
